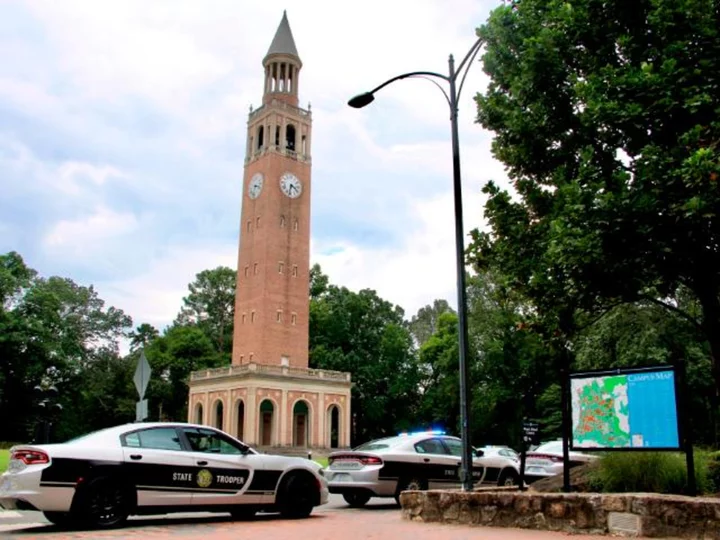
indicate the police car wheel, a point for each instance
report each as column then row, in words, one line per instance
column 356, row 499
column 105, row 503
column 297, row 495
column 410, row 484
column 61, row 519
column 509, row 478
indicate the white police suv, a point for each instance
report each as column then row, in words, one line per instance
column 99, row 479
column 415, row 461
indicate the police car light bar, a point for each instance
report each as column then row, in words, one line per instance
column 423, row 432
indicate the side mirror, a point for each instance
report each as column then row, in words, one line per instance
column 479, row 453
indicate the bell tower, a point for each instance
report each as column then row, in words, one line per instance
column 269, row 397
column 272, row 305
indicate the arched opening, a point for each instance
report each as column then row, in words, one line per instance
column 267, row 413
column 260, row 137
column 218, row 414
column 334, row 426
column 199, row 414
column 290, row 77
column 290, row 137
column 241, row 420
column 277, row 135
column 301, row 424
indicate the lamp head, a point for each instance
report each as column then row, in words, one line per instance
column 361, row 100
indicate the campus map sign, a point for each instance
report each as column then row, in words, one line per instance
column 624, row 409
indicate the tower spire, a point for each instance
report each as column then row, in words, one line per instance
column 283, row 42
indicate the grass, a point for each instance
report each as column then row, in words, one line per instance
column 4, row 458
column 655, row 472
column 322, row 461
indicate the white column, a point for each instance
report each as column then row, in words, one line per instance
column 284, row 420
column 252, row 428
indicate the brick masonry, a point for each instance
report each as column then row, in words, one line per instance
column 639, row 514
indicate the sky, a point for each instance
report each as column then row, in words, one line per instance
column 123, row 129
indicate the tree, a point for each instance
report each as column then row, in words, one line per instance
column 211, row 306
column 365, row 335
column 142, row 336
column 51, row 330
column 425, row 322
column 606, row 117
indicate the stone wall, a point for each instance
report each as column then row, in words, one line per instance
column 640, row 514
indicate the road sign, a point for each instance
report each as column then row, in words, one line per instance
column 531, row 431
column 142, row 375
column 141, row 410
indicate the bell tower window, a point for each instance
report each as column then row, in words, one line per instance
column 260, row 136
column 277, row 135
column 290, row 137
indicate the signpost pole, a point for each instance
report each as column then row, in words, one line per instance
column 530, row 435
column 681, row 391
column 566, row 421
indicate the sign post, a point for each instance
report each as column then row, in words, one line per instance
column 531, row 431
column 141, row 380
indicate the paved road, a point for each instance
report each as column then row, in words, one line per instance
column 379, row 520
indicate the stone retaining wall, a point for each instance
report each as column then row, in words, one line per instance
column 638, row 514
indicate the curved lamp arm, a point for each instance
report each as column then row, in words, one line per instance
column 361, row 100
column 469, row 57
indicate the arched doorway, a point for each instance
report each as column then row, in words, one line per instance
column 218, row 417
column 199, row 414
column 301, row 424
column 333, row 423
column 267, row 413
column 240, row 419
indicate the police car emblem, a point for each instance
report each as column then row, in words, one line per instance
column 204, row 478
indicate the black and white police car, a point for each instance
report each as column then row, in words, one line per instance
column 416, row 461
column 101, row 478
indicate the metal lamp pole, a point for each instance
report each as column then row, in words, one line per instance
column 361, row 100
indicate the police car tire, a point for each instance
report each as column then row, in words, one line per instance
column 507, row 475
column 60, row 519
column 297, row 495
column 413, row 484
column 356, row 499
column 94, row 488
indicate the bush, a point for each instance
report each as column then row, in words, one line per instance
column 654, row 472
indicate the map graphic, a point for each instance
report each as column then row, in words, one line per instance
column 624, row 410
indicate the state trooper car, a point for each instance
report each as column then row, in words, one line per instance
column 101, row 478
column 416, row 461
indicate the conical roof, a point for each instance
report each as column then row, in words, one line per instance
column 283, row 42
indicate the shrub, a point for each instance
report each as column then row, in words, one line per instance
column 654, row 472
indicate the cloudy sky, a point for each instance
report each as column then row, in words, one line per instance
column 122, row 139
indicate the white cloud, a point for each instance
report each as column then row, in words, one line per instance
column 415, row 274
column 79, row 236
column 197, row 67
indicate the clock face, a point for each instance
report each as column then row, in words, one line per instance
column 290, row 185
column 255, row 187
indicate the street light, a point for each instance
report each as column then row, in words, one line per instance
column 361, row 100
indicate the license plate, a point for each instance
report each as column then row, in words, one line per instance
column 347, row 465
column 341, row 477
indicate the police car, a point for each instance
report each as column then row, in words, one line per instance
column 99, row 479
column 417, row 461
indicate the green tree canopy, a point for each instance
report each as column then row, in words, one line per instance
column 606, row 116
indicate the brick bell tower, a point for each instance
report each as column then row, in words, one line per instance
column 272, row 306
column 268, row 397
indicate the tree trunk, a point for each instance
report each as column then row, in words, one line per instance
column 711, row 326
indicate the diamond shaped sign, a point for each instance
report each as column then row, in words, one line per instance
column 142, row 375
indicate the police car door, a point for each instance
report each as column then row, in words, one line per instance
column 436, row 465
column 455, row 448
column 159, row 466
column 223, row 468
